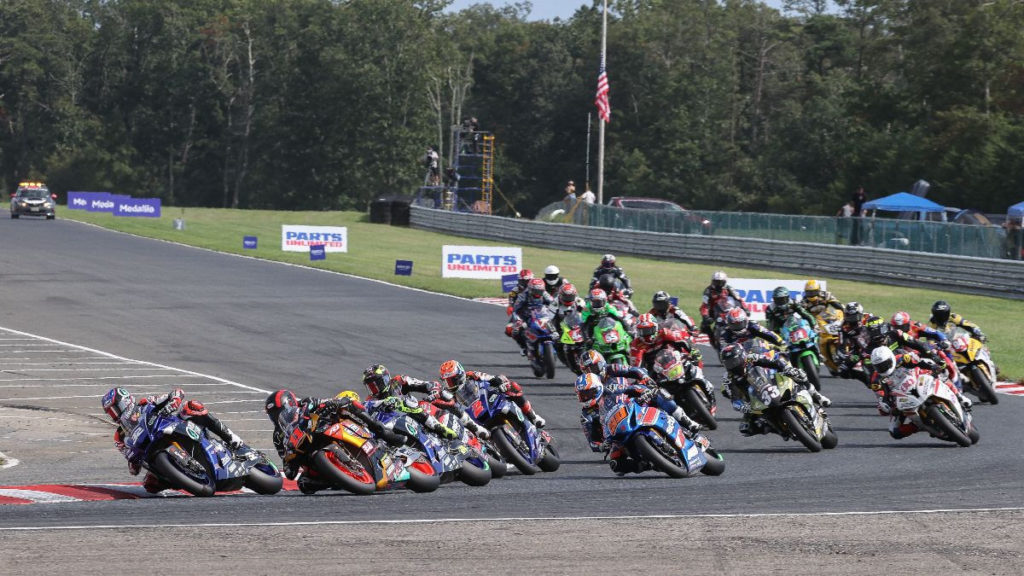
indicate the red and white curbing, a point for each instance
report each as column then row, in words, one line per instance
column 1012, row 388
column 62, row 493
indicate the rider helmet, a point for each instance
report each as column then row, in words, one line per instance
column 812, row 289
column 608, row 261
column 116, row 402
column 878, row 331
column 883, row 361
column 718, row 280
column 592, row 361
column 453, row 375
column 598, row 299
column 734, row 358
column 736, row 320
column 853, row 313
column 525, row 275
column 551, row 275
column 536, row 288
column 780, row 296
column 607, row 283
column 567, row 294
column 349, row 394
column 661, row 301
column 589, row 389
column 377, row 380
column 901, row 321
column 278, row 401
column 646, row 328
column 940, row 312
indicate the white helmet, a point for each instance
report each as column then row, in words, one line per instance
column 883, row 361
column 551, row 274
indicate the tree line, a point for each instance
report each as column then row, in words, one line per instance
column 326, row 104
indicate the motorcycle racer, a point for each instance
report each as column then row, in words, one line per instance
column 736, row 383
column 597, row 307
column 944, row 319
column 855, row 342
column 119, row 404
column 816, row 300
column 292, row 418
column 662, row 308
column 717, row 291
column 553, row 280
column 383, row 387
column 739, row 328
column 454, row 376
column 594, row 363
column 608, row 267
column 514, row 327
column 782, row 307
column 886, row 376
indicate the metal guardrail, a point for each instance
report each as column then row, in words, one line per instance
column 988, row 276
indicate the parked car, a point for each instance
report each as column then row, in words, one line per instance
column 33, row 199
column 697, row 223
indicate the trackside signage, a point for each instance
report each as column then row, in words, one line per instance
column 139, row 207
column 480, row 262
column 300, row 238
column 757, row 292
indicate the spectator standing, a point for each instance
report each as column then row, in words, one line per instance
column 859, row 198
column 432, row 160
column 845, row 216
column 570, row 196
column 588, row 196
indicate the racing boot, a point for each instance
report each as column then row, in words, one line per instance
column 309, row 485
column 965, row 402
column 899, row 429
column 819, row 398
column 752, row 426
column 152, row 484
column 688, row 424
column 535, row 418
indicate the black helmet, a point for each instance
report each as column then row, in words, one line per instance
column 377, row 380
column 278, row 401
column 661, row 301
column 878, row 329
column 607, row 283
column 940, row 312
column 780, row 296
column 733, row 357
column 853, row 312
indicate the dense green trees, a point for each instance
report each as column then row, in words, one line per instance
column 326, row 103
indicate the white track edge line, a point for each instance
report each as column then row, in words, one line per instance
column 10, row 462
column 164, row 366
column 516, row 519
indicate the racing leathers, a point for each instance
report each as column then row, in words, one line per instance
column 674, row 312
column 710, row 306
column 776, row 315
column 173, row 401
column 616, row 273
column 736, row 387
column 437, row 396
column 817, row 305
column 293, row 434
column 509, row 388
column 899, row 425
column 619, row 392
column 617, row 376
column 855, row 346
column 514, row 327
column 956, row 320
column 752, row 330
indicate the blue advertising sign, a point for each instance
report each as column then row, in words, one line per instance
column 100, row 202
column 509, row 282
column 673, row 300
column 317, row 252
column 403, row 267
column 144, row 207
column 249, row 242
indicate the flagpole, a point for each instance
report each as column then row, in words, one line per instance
column 600, row 124
column 587, row 180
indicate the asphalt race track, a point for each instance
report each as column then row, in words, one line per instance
column 267, row 325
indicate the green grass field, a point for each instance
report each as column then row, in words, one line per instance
column 373, row 249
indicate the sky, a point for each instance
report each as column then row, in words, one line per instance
column 550, row 9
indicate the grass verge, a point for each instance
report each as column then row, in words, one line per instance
column 373, row 249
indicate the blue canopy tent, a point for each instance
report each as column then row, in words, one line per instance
column 1016, row 212
column 903, row 202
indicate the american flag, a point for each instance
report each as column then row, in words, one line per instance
column 604, row 108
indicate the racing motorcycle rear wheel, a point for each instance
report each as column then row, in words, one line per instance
column 422, row 477
column 697, row 405
column 264, row 479
column 715, row 465
column 550, row 461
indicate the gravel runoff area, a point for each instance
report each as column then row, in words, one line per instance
column 982, row 542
